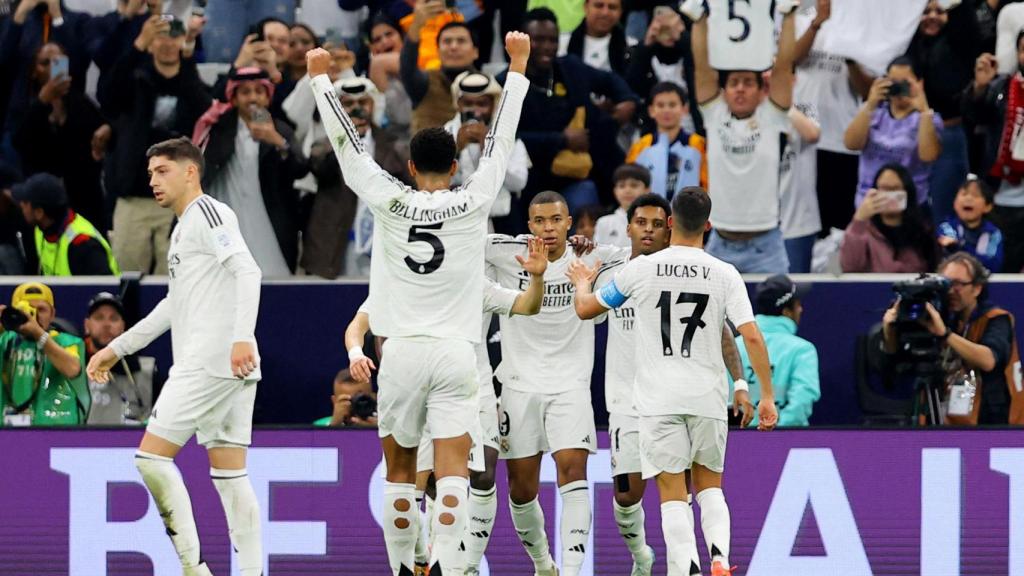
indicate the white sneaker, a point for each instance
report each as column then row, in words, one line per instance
column 645, row 565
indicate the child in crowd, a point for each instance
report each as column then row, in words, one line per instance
column 631, row 181
column 969, row 230
column 585, row 220
column 675, row 158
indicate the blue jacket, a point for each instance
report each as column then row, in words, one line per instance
column 984, row 242
column 794, row 370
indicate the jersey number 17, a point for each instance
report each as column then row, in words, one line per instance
column 692, row 322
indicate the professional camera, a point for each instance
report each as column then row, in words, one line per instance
column 13, row 317
column 364, row 406
column 920, row 350
column 915, row 294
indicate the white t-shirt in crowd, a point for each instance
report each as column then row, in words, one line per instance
column 681, row 297
column 427, row 247
column 620, row 352
column 872, row 32
column 1008, row 26
column 741, row 35
column 798, row 183
column 743, row 165
column 823, row 80
column 595, row 52
column 611, row 229
column 553, row 351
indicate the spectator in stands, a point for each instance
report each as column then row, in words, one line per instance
column 59, row 136
column 599, row 41
column 13, row 230
column 889, row 231
column 430, row 90
column 385, row 49
column 674, row 156
column 995, row 103
column 269, row 51
column 127, row 397
column 832, row 85
column 34, row 23
column 779, row 307
column 896, row 124
column 67, row 243
column 584, row 220
column 340, row 229
column 155, row 95
column 969, row 229
column 232, row 20
column 943, row 51
column 630, row 182
column 977, row 337
column 665, row 56
column 302, row 39
column 347, row 395
column 800, row 217
column 476, row 98
column 743, row 149
column 550, row 125
column 43, row 369
column 252, row 161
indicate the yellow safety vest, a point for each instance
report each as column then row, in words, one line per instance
column 53, row 256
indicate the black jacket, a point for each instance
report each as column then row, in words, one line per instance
column 278, row 172
column 946, row 62
column 642, row 79
column 134, row 89
column 988, row 115
column 618, row 50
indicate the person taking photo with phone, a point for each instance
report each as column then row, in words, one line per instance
column 896, row 124
column 889, row 232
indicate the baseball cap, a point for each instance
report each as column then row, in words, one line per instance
column 32, row 291
column 105, row 299
column 777, row 292
column 41, row 189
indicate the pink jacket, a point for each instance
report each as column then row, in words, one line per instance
column 865, row 249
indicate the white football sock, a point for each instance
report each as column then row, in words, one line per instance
column 164, row 482
column 400, row 527
column 575, row 528
column 630, row 520
column 449, row 525
column 422, row 535
column 528, row 520
column 243, row 514
column 677, row 529
column 483, row 507
column 714, row 521
column 694, row 553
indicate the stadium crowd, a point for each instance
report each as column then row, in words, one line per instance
column 878, row 156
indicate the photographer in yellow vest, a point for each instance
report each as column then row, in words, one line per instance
column 42, row 370
column 67, row 244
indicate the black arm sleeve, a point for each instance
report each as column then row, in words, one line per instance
column 414, row 79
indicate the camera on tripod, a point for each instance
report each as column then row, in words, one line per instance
column 914, row 338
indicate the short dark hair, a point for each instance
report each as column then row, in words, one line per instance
column 540, row 15
column 648, row 200
column 432, row 150
column 691, row 208
column 548, row 197
column 665, row 88
column 986, row 191
column 904, row 61
column 310, row 31
column 178, row 149
column 723, row 77
column 459, row 24
column 632, row 172
column 270, row 20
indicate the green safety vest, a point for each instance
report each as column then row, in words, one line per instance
column 29, row 381
column 53, row 256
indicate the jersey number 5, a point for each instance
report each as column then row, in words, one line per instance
column 692, row 322
column 743, row 21
column 417, row 234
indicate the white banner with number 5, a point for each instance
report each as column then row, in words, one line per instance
column 741, row 34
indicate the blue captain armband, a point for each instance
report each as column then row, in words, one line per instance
column 610, row 297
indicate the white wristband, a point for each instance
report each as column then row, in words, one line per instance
column 43, row 339
column 355, row 353
column 740, row 385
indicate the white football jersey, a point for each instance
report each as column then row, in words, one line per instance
column 553, row 351
column 497, row 300
column 201, row 291
column 681, row 298
column 428, row 248
column 620, row 352
column 741, row 35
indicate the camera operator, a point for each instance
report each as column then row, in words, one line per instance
column 42, row 371
column 355, row 403
column 127, row 397
column 975, row 336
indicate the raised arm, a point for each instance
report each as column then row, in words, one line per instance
column 705, row 76
column 806, row 127
column 588, row 304
column 806, row 42
column 782, row 73
column 856, row 136
column 368, row 180
column 529, row 301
